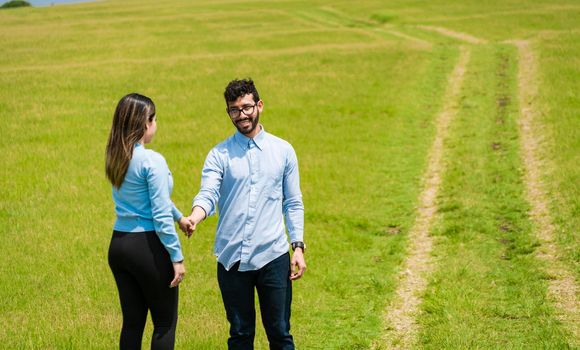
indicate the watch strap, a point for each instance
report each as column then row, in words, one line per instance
column 298, row 244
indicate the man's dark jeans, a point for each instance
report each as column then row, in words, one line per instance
column 275, row 295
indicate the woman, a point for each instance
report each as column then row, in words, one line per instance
column 145, row 253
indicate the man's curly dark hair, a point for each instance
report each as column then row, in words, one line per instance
column 240, row 88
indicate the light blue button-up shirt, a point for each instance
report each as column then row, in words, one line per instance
column 143, row 202
column 254, row 184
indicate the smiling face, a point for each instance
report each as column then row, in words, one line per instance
column 245, row 114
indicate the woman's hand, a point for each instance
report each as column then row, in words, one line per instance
column 179, row 270
column 186, row 226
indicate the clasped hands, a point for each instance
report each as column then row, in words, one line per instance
column 188, row 224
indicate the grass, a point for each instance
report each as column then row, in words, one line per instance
column 357, row 104
column 56, row 174
column 488, row 282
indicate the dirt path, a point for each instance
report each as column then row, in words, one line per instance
column 562, row 288
column 419, row 43
column 401, row 328
column 456, row 35
column 347, row 21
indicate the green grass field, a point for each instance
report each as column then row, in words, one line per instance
column 356, row 88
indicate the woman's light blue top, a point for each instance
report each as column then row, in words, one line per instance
column 143, row 202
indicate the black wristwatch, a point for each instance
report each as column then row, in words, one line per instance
column 299, row 244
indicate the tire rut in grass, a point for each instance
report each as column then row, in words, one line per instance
column 467, row 38
column 400, row 316
column 562, row 289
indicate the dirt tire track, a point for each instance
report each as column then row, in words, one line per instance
column 455, row 35
column 416, row 42
column 401, row 331
column 562, row 289
column 372, row 28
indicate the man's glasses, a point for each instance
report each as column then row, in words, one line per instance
column 235, row 112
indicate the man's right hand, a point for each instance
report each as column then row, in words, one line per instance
column 197, row 215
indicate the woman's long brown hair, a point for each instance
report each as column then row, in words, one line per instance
column 129, row 124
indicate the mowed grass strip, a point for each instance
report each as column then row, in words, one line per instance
column 360, row 119
column 489, row 291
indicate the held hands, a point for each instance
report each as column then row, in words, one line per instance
column 187, row 226
column 297, row 264
column 179, row 273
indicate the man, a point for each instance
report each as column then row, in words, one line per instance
column 252, row 178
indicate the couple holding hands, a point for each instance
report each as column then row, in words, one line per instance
column 251, row 179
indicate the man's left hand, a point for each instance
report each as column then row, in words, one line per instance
column 297, row 264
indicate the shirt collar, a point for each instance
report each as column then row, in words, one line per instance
column 259, row 139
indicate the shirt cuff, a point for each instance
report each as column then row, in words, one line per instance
column 203, row 205
column 177, row 215
column 176, row 257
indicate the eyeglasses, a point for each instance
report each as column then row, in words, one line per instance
column 235, row 112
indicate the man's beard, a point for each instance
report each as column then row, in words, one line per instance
column 248, row 129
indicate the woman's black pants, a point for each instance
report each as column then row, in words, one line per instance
column 143, row 272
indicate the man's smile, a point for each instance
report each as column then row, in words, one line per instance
column 244, row 122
